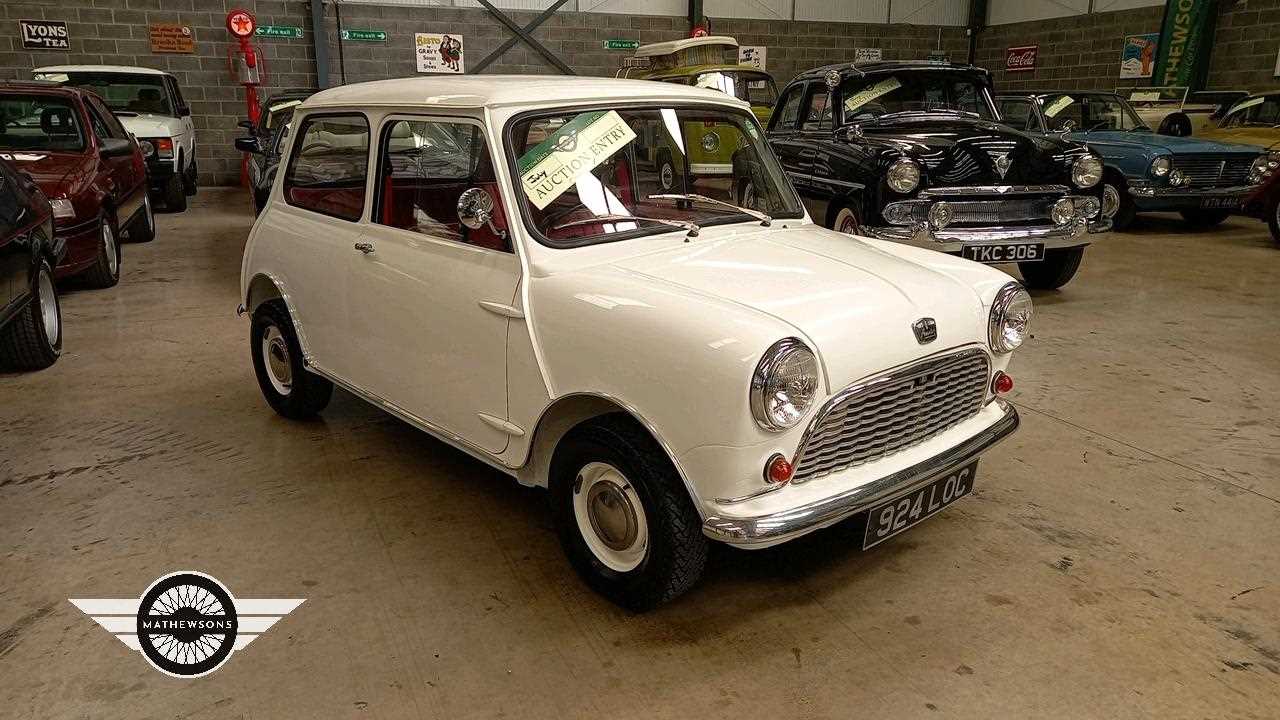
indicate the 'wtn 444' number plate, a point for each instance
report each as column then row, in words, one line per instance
column 893, row 516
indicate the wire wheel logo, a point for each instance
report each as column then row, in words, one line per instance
column 187, row 624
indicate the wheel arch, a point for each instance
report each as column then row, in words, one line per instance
column 570, row 411
column 265, row 287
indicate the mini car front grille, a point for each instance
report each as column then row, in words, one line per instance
column 1214, row 170
column 892, row 412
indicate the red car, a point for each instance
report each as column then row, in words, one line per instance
column 30, row 317
column 1264, row 203
column 90, row 168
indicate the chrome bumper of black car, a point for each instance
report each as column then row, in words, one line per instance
column 954, row 240
column 773, row 528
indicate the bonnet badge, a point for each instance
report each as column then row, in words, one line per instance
column 926, row 330
column 1003, row 163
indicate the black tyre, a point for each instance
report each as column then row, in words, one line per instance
column 1056, row 270
column 1273, row 217
column 1205, row 218
column 624, row 516
column 105, row 271
column 143, row 228
column 175, row 196
column 1177, row 125
column 288, row 386
column 33, row 339
column 190, row 179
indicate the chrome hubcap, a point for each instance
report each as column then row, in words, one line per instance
column 667, row 176
column 610, row 516
column 1110, row 200
column 49, row 309
column 846, row 222
column 275, row 356
column 109, row 247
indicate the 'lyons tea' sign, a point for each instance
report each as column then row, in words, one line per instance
column 1021, row 59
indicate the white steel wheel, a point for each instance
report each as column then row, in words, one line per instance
column 50, row 317
column 846, row 221
column 610, row 516
column 275, row 358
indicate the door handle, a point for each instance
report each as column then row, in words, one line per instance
column 364, row 247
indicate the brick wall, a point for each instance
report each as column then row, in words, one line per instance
column 1083, row 52
column 115, row 32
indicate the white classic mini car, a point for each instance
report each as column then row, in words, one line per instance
column 494, row 260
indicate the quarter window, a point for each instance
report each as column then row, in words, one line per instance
column 790, row 109
column 328, row 166
column 817, row 114
column 425, row 166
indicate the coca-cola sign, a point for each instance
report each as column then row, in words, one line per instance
column 1020, row 59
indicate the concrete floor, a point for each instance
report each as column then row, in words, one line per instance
column 1118, row 560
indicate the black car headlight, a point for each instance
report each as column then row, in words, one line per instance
column 784, row 385
column 1086, row 171
column 1010, row 320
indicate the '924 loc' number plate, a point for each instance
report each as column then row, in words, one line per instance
column 893, row 516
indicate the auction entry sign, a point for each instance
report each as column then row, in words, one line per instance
column 44, row 35
column 439, row 53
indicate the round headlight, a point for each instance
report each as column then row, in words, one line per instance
column 784, row 385
column 710, row 142
column 1086, row 171
column 1010, row 320
column 1160, row 166
column 904, row 176
column 1063, row 211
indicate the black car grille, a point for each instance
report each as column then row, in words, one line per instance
column 985, row 206
column 892, row 413
column 1214, row 170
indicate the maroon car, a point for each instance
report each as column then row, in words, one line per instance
column 1264, row 203
column 30, row 317
column 91, row 169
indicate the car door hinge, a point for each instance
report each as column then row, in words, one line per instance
column 501, row 425
column 507, row 311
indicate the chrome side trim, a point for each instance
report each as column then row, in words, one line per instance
column 501, row 425
column 995, row 190
column 502, row 309
column 426, row 426
column 774, row 528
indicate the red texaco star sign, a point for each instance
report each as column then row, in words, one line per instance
column 241, row 23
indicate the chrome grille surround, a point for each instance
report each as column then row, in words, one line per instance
column 885, row 414
column 1214, row 170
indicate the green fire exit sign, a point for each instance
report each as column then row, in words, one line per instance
column 365, row 35
column 621, row 44
column 281, row 31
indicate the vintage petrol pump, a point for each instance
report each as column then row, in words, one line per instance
column 244, row 62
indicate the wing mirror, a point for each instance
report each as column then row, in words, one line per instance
column 475, row 210
column 249, row 145
column 1067, row 126
column 115, row 147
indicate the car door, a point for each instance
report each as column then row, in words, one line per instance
column 432, row 298
column 14, row 258
column 820, row 174
column 184, row 117
column 127, row 173
column 313, row 231
column 783, row 135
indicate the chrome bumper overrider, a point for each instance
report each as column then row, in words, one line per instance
column 765, row 530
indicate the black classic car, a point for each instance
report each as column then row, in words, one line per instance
column 915, row 152
column 30, row 316
column 266, row 140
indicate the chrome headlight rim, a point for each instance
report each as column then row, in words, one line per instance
column 773, row 359
column 1005, row 299
column 1086, row 171
column 903, row 176
column 710, row 141
column 1063, row 211
column 1160, row 166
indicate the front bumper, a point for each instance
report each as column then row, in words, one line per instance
column 954, row 240
column 158, row 172
column 82, row 242
column 763, row 530
column 1153, row 198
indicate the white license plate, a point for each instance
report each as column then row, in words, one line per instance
column 903, row 512
column 1006, row 253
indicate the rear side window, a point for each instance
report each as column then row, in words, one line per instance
column 817, row 113
column 790, row 109
column 328, row 166
column 426, row 166
column 1017, row 114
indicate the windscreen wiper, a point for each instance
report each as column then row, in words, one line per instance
column 764, row 219
column 692, row 228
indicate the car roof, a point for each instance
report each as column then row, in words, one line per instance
column 476, row 91
column 102, row 69
column 43, row 86
column 1046, row 93
column 888, row 66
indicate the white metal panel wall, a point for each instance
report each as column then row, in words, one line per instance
column 763, row 9
column 863, row 11
column 1112, row 5
column 1003, row 12
column 930, row 12
column 635, row 7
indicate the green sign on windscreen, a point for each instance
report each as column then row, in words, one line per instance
column 280, row 31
